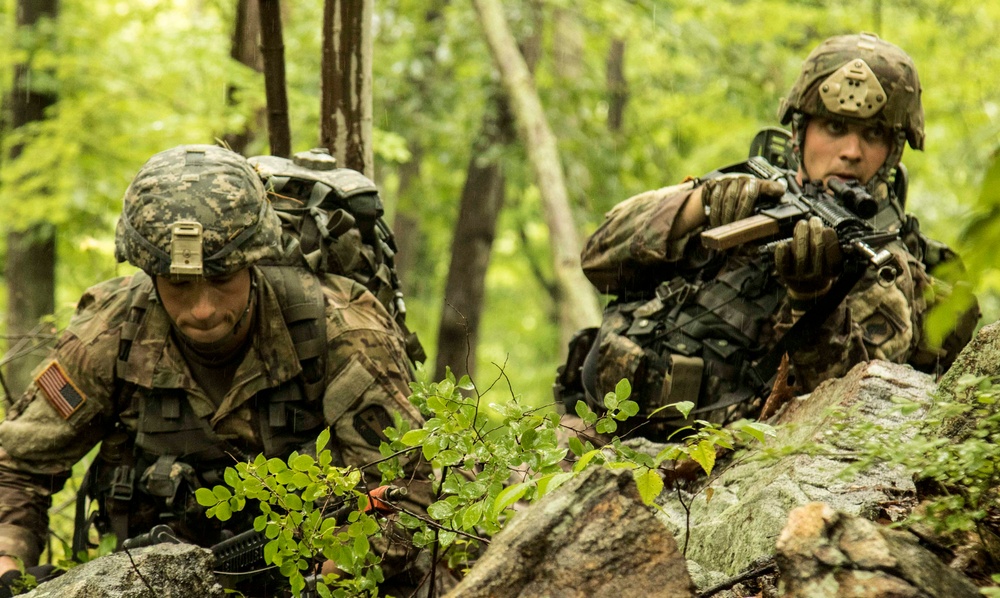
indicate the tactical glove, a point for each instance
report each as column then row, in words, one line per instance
column 809, row 262
column 732, row 197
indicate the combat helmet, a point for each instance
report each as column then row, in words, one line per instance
column 859, row 77
column 196, row 210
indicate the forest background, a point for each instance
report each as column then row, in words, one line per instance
column 639, row 94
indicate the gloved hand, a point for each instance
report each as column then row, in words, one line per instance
column 732, row 197
column 809, row 262
column 7, row 581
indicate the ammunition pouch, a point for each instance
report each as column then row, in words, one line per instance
column 692, row 341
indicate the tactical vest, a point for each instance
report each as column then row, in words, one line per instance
column 692, row 341
column 137, row 484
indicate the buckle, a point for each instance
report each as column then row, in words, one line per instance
column 122, row 483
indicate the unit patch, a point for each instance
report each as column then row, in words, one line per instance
column 370, row 423
column 60, row 391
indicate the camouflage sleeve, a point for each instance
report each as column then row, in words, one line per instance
column 368, row 387
column 58, row 419
column 635, row 238
column 876, row 321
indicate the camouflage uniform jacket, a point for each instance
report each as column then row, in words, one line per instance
column 631, row 254
column 366, row 368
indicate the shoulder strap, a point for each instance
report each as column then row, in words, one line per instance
column 138, row 303
column 303, row 309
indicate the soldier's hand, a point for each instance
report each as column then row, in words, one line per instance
column 809, row 262
column 7, row 582
column 732, row 197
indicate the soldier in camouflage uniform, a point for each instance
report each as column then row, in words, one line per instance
column 708, row 315
column 204, row 355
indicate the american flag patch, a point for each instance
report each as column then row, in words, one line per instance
column 62, row 394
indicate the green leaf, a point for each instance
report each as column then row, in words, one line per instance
column 508, row 496
column 414, row 437
column 448, row 457
column 293, row 502
column 629, row 408
column 582, row 410
column 552, row 481
column 650, row 485
column 576, row 446
column 232, row 478
column 223, row 512
column 222, row 493
column 303, row 463
column 441, row 510
column 322, row 440
column 585, row 459
column 473, row 514
column 704, row 454
column 275, row 465
column 611, row 401
column 623, row 389
column 684, row 407
column 205, row 497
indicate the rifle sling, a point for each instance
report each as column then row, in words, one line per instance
column 803, row 330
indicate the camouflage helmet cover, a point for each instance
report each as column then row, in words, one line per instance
column 208, row 193
column 882, row 76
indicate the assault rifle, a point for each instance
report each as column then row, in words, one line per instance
column 845, row 212
column 241, row 557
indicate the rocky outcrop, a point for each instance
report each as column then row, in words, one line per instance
column 752, row 496
column 161, row 571
column 980, row 358
column 591, row 538
column 823, row 553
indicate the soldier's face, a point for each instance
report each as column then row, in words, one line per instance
column 206, row 309
column 835, row 148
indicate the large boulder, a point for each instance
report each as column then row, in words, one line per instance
column 591, row 538
column 164, row 571
column 753, row 496
column 980, row 358
column 823, row 553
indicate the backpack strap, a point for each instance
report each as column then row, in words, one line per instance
column 303, row 309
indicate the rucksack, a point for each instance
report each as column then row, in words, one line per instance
column 332, row 219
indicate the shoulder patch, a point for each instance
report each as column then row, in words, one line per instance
column 370, row 423
column 61, row 392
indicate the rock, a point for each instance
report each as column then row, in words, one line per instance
column 981, row 357
column 171, row 570
column 591, row 538
column 823, row 553
column 752, row 497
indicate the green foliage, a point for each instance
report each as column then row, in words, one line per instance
column 486, row 458
column 294, row 496
column 964, row 473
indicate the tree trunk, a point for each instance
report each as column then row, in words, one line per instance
column 578, row 301
column 31, row 253
column 272, row 46
column 568, row 49
column 346, row 107
column 245, row 50
column 472, row 243
column 617, row 85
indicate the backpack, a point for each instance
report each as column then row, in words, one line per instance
column 332, row 223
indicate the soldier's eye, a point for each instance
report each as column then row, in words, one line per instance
column 836, row 127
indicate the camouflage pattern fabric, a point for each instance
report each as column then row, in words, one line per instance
column 206, row 184
column 876, row 321
column 366, row 368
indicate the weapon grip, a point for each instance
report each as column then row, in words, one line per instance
column 740, row 232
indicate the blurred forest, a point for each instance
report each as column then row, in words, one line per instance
column 638, row 93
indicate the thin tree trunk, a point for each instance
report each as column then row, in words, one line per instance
column 617, row 85
column 272, row 46
column 346, row 106
column 245, row 50
column 31, row 253
column 568, row 50
column 578, row 301
column 472, row 244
